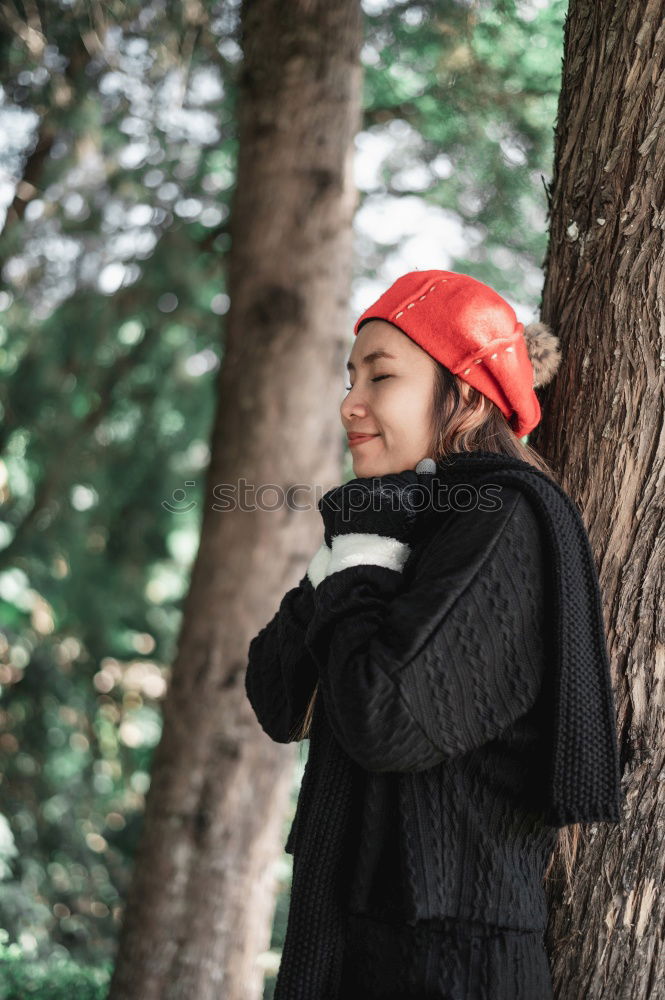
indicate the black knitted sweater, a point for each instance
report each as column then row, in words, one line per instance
column 464, row 713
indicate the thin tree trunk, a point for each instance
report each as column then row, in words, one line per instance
column 202, row 898
column 603, row 430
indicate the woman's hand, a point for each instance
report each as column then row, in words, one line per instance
column 381, row 505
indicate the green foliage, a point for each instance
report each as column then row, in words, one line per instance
column 110, row 342
column 21, row 978
column 468, row 93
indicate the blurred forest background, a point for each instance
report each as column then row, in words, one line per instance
column 118, row 161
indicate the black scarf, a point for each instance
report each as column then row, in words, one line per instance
column 323, row 861
column 582, row 780
column 583, row 773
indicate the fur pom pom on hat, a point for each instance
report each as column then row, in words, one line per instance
column 544, row 352
column 475, row 333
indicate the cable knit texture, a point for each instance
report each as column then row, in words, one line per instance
column 455, row 696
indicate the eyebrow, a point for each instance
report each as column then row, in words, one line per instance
column 380, row 353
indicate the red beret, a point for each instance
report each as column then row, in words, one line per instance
column 469, row 328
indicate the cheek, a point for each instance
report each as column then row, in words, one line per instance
column 407, row 413
column 409, row 400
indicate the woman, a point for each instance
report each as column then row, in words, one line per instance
column 445, row 654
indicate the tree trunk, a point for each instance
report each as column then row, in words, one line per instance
column 202, row 898
column 603, row 432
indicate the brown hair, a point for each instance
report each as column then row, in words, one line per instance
column 464, row 419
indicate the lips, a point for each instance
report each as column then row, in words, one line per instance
column 360, row 438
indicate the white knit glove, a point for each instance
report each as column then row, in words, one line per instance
column 318, row 564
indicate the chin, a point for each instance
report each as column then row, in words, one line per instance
column 367, row 469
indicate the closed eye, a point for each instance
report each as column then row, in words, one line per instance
column 376, row 379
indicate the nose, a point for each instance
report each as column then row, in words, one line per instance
column 353, row 405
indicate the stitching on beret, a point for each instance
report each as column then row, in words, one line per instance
column 479, row 360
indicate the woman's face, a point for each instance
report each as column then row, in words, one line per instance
column 390, row 398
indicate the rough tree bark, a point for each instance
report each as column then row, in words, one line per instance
column 202, row 897
column 603, row 431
